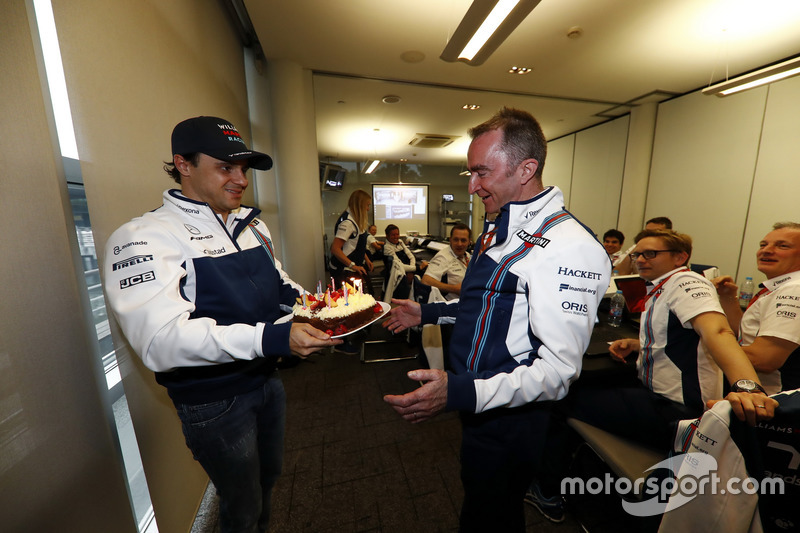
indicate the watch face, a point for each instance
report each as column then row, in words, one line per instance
column 746, row 385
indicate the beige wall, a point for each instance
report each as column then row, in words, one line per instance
column 134, row 68
column 776, row 185
column 704, row 156
column 720, row 168
column 597, row 174
column 59, row 469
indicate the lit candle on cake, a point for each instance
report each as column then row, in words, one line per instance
column 345, row 291
column 305, row 304
column 319, row 286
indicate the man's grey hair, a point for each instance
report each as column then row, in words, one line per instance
column 790, row 225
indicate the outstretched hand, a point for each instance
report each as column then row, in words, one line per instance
column 425, row 402
column 404, row 315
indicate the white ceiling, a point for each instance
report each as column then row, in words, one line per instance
column 630, row 51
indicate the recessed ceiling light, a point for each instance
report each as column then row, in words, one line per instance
column 470, row 107
column 412, row 56
column 520, row 70
column 575, row 32
column 390, row 99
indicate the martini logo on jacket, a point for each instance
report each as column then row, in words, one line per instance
column 533, row 240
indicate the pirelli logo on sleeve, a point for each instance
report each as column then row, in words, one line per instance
column 137, row 279
column 135, row 260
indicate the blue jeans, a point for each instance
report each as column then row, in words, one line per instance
column 239, row 443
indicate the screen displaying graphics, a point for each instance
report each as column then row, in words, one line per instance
column 405, row 206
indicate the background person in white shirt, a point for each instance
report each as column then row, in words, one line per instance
column 769, row 330
column 447, row 268
column 374, row 246
column 397, row 249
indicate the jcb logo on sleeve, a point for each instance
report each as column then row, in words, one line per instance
column 137, row 279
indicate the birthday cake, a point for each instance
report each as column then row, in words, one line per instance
column 337, row 311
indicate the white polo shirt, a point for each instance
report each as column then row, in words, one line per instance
column 446, row 266
column 672, row 361
column 776, row 313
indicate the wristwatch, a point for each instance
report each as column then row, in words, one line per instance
column 747, row 385
column 352, row 264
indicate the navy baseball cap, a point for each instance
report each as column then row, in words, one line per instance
column 218, row 138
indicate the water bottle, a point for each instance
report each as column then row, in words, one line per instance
column 746, row 292
column 615, row 310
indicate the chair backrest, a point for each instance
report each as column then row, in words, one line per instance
column 422, row 292
column 387, row 267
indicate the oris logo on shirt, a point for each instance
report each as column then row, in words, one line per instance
column 137, row 279
column 575, row 308
column 701, row 294
column 787, row 314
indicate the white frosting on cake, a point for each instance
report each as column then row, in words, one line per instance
column 355, row 302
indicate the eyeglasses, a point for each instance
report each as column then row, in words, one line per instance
column 647, row 254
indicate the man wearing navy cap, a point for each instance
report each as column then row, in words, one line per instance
column 197, row 289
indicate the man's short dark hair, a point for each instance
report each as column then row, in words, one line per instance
column 614, row 234
column 664, row 221
column 390, row 228
column 522, row 137
column 170, row 169
column 461, row 226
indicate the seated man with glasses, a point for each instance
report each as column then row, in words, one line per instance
column 685, row 345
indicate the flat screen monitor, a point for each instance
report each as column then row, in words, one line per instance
column 331, row 177
column 405, row 206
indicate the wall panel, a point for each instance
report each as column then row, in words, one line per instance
column 704, row 156
column 776, row 187
column 558, row 165
column 597, row 174
column 135, row 68
column 59, row 469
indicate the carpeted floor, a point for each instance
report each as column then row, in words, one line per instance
column 352, row 465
